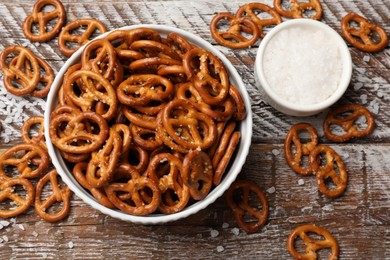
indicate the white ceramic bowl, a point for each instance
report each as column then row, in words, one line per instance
column 242, row 150
column 295, row 109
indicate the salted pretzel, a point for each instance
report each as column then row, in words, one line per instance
column 295, row 158
column 87, row 98
column 136, row 203
column 222, row 112
column 37, row 139
column 361, row 38
column 140, row 119
column 313, row 245
column 154, row 48
column 58, row 195
column 197, row 129
column 240, row 110
column 152, row 64
column 346, row 117
column 338, row 174
column 77, row 132
column 139, row 90
column 125, row 135
column 169, row 181
column 298, row 7
column 42, row 19
column 30, row 160
column 238, row 197
column 103, row 162
column 100, row 57
column 198, row 174
column 66, row 36
column 16, row 70
column 136, row 157
column 79, row 171
column 46, row 79
column 233, row 37
column 8, row 192
column 178, row 43
column 208, row 74
column 145, row 138
column 251, row 10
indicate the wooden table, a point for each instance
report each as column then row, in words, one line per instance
column 359, row 220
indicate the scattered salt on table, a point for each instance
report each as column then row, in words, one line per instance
column 235, row 231
column 301, row 182
column 275, row 152
column 225, row 225
column 5, row 238
column 271, row 190
column 21, row 226
column 70, row 244
column 357, row 86
column 214, row 233
column 35, row 233
column 220, row 249
column 366, row 58
column 4, row 223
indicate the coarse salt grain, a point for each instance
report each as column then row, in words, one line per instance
column 366, row 58
column 271, row 190
column 301, row 182
column 70, row 244
column 220, row 249
column 5, row 238
column 275, row 152
column 214, row 233
column 35, row 233
column 225, row 225
column 235, row 231
column 303, row 65
column 21, row 226
column 358, row 86
column 4, row 223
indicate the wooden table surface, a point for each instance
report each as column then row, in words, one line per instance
column 359, row 220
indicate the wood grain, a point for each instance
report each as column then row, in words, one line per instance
column 359, row 220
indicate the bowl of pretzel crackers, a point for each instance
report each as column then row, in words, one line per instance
column 148, row 123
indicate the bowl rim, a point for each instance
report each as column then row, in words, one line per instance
column 345, row 75
column 230, row 176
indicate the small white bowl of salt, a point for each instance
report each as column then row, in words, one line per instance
column 302, row 67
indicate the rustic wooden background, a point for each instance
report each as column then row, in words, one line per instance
column 359, row 220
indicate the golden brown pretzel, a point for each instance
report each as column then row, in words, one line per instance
column 222, row 112
column 140, row 119
column 198, row 174
column 312, row 245
column 152, row 64
column 182, row 127
column 297, row 8
column 240, row 110
column 45, row 81
column 361, row 38
column 31, row 161
column 140, row 90
column 145, row 138
column 38, row 16
column 169, row 181
column 154, row 48
column 136, row 157
column 87, row 98
column 208, row 74
column 125, row 134
column 38, row 139
column 238, row 196
column 178, row 43
column 58, row 195
column 103, row 162
column 79, row 171
column 338, row 175
column 251, row 10
column 100, row 57
column 77, row 132
column 346, row 117
column 16, row 70
column 136, row 204
column 66, row 37
column 294, row 159
column 233, row 37
column 7, row 192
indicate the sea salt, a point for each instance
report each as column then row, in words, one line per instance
column 303, row 65
column 366, row 58
column 70, row 244
column 225, row 225
column 301, row 182
column 4, row 223
column 271, row 190
column 214, row 233
column 35, row 233
column 235, row 231
column 21, row 226
column 357, row 86
column 220, row 249
column 275, row 152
